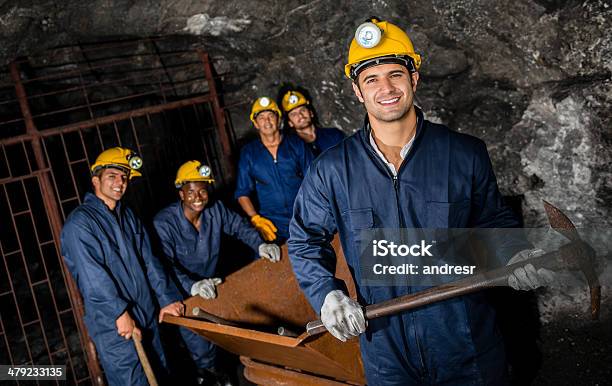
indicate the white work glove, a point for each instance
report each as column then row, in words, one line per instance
column 342, row 316
column 206, row 288
column 270, row 252
column 527, row 277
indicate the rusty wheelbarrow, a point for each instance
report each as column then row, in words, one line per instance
column 252, row 304
column 257, row 302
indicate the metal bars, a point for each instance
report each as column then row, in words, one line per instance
column 44, row 173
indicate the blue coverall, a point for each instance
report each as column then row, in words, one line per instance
column 445, row 181
column 109, row 255
column 275, row 181
column 325, row 138
column 194, row 255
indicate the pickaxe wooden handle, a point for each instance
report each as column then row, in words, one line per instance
column 576, row 255
column 144, row 360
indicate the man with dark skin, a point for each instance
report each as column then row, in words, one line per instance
column 190, row 232
column 107, row 250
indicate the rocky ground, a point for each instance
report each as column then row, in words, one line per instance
column 576, row 351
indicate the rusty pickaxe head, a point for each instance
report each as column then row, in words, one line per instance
column 578, row 254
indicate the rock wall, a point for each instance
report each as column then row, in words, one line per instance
column 532, row 78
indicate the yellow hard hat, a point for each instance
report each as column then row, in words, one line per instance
column 193, row 171
column 293, row 99
column 121, row 158
column 378, row 42
column 264, row 104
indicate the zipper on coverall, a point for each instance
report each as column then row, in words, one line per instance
column 402, row 226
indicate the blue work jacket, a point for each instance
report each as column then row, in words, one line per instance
column 194, row 254
column 445, row 181
column 274, row 181
column 325, row 138
column 109, row 255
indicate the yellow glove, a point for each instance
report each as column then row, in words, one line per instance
column 265, row 227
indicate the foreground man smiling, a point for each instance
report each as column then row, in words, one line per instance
column 401, row 171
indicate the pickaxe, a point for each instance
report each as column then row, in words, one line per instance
column 575, row 255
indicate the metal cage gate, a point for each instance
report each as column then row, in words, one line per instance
column 57, row 113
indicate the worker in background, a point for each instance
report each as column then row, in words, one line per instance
column 401, row 171
column 270, row 171
column 301, row 118
column 190, row 233
column 107, row 251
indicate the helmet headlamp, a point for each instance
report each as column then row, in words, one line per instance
column 134, row 161
column 204, row 171
column 264, row 102
column 368, row 35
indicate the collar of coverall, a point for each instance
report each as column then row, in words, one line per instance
column 184, row 223
column 366, row 131
column 97, row 202
column 282, row 138
column 403, row 152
